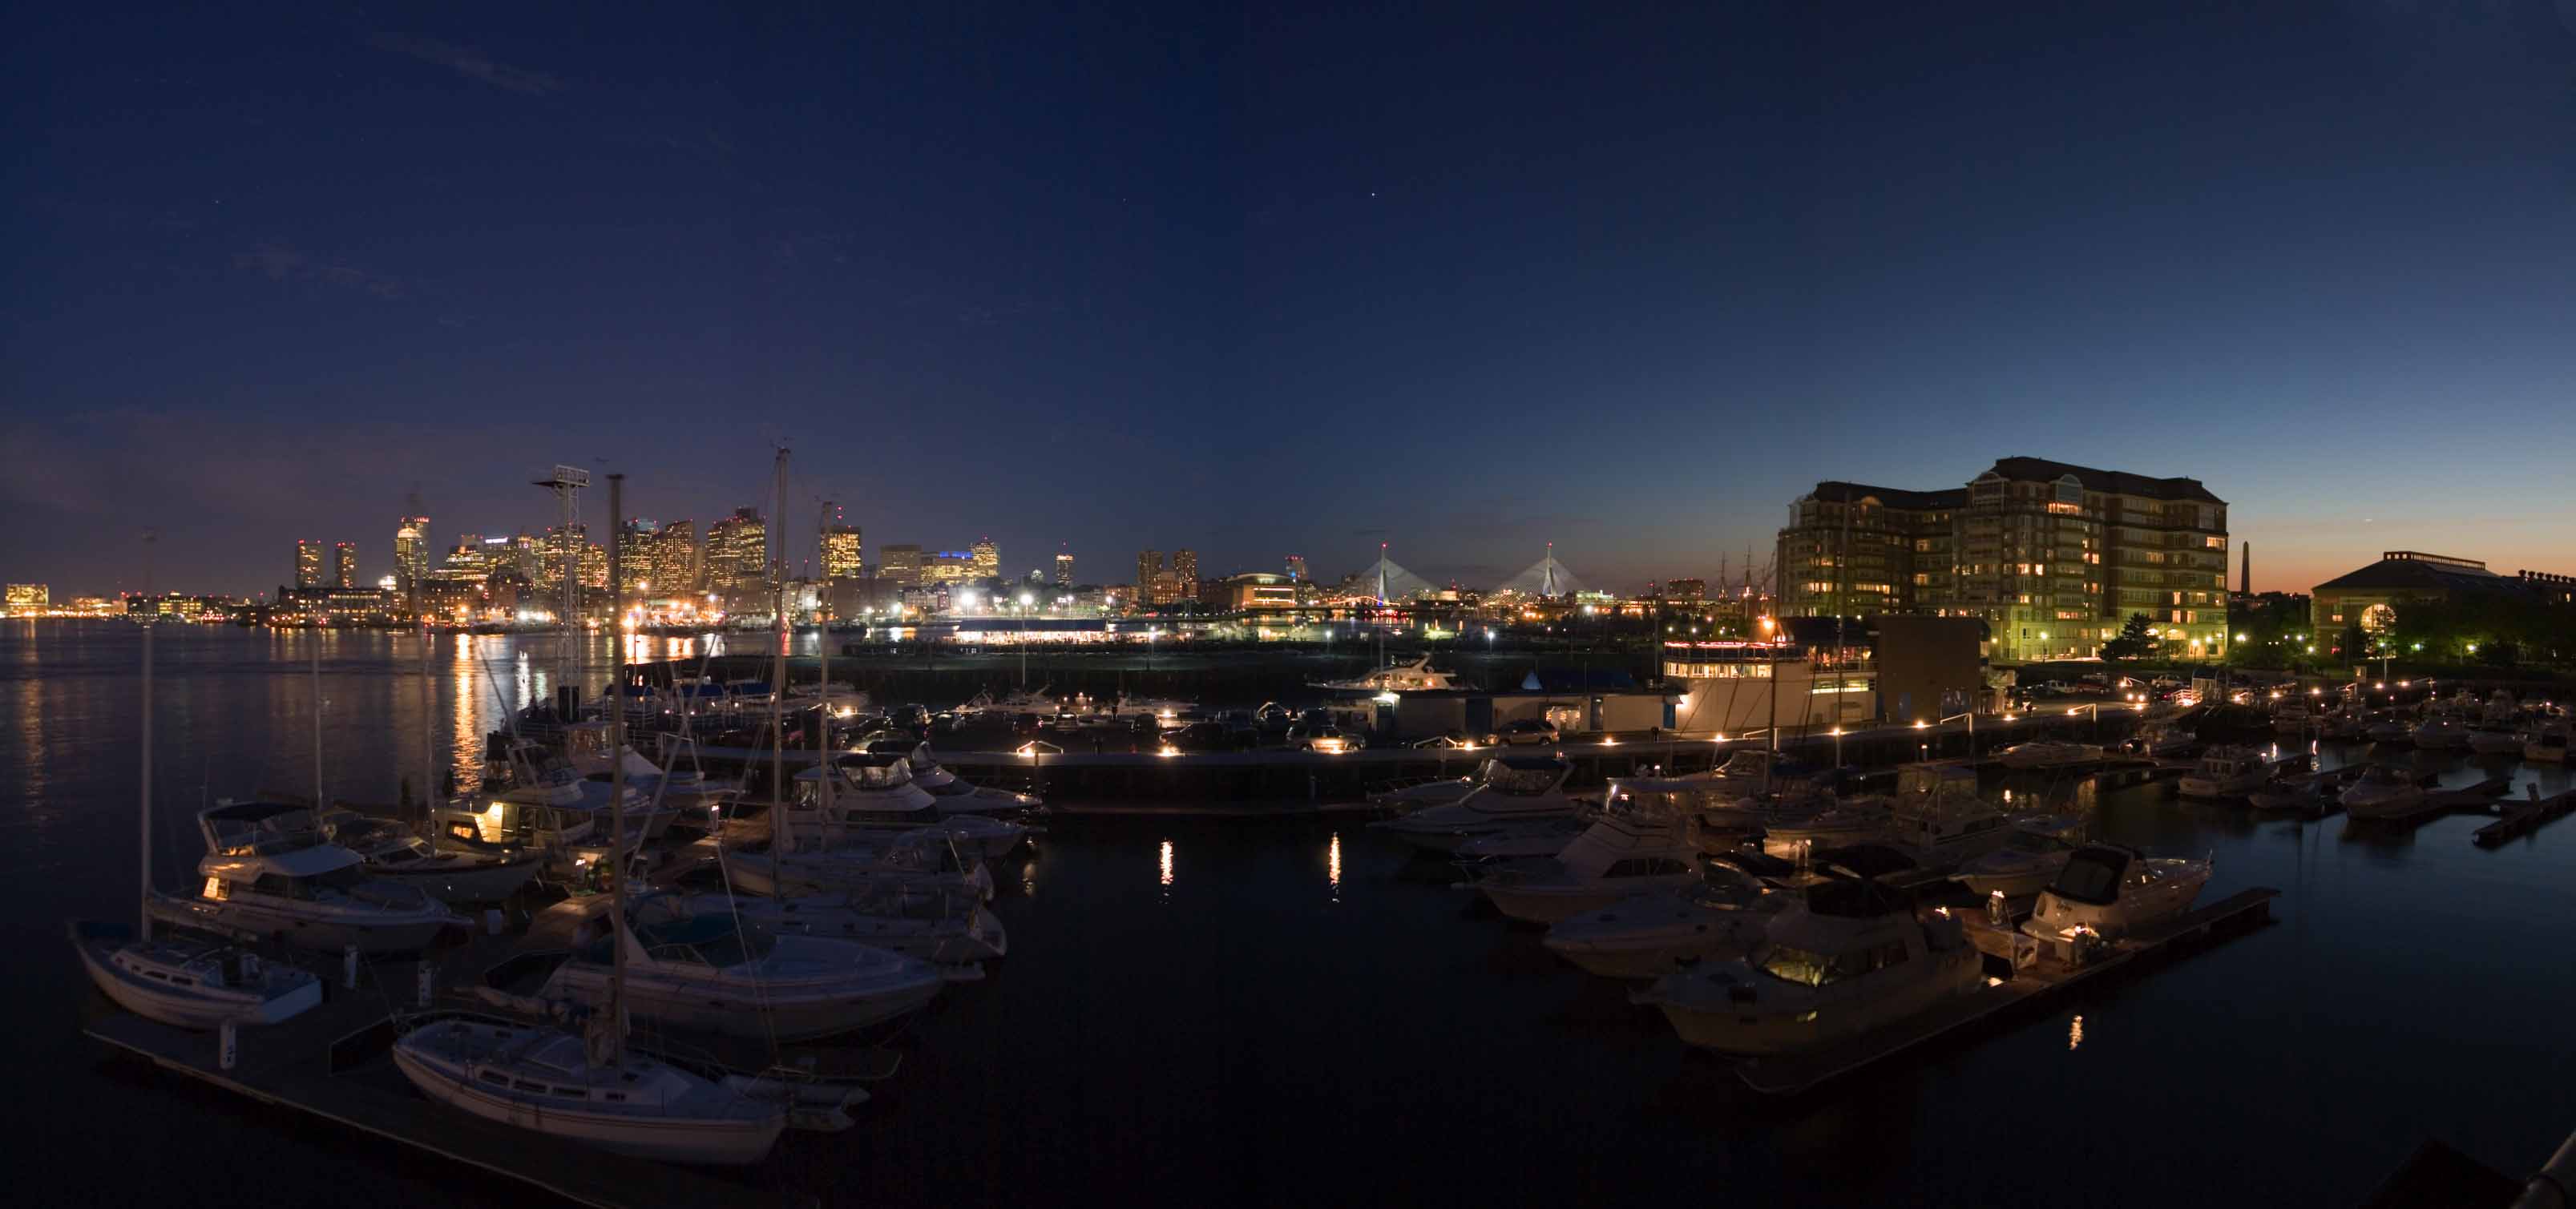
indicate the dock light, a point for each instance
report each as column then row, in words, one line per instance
column 2375, row 687
column 1168, row 750
column 2240, row 638
column 2074, row 710
column 2405, row 684
column 1719, row 737
column 1838, row 732
column 2012, row 717
column 2312, row 648
column 1919, row 724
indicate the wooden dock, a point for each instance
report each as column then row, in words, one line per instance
column 2441, row 803
column 2526, row 818
column 334, row 1062
column 2033, row 987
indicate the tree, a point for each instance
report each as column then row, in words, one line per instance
column 2136, row 641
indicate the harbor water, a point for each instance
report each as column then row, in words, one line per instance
column 1290, row 1011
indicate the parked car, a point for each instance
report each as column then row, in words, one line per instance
column 1523, row 732
column 1331, row 740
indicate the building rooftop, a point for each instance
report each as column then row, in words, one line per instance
column 2403, row 569
column 1844, row 493
column 2116, row 482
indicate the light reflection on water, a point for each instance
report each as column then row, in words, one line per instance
column 1167, row 864
column 1333, row 865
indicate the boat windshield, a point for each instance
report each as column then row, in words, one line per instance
column 1522, row 782
column 2034, row 842
column 948, row 789
column 1789, row 964
column 2089, row 878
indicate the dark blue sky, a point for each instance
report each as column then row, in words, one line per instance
column 1260, row 280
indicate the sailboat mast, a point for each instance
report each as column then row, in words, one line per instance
column 823, row 712
column 617, row 772
column 145, row 847
column 320, row 804
column 428, row 769
column 778, row 642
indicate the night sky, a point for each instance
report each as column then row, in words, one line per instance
column 1280, row 279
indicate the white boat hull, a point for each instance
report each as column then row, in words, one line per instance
column 198, row 1009
column 1759, row 1029
column 724, row 1141
column 326, row 935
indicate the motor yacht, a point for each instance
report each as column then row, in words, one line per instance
column 2382, row 791
column 2032, row 853
column 873, row 794
column 2161, row 739
column 2307, row 795
column 949, row 930
column 2291, row 720
column 926, row 861
column 1536, row 837
column 2385, row 726
column 1623, row 852
column 1514, row 789
column 1438, row 791
column 392, row 852
column 713, row 974
column 2113, row 891
column 2228, row 772
column 585, row 1089
column 2442, row 732
column 269, row 873
column 526, row 772
column 954, row 794
column 1416, row 676
column 1647, row 935
column 1850, row 958
column 2495, row 741
column 1938, row 813
column 1790, row 831
column 1019, row 702
column 2049, row 754
column 2548, row 744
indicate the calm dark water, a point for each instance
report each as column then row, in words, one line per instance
column 1283, row 1011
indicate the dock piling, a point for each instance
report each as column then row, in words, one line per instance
column 228, row 1049
column 349, row 967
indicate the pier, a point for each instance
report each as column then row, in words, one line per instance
column 2038, row 981
column 334, row 1062
column 2526, row 818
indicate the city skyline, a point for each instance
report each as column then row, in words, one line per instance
column 1380, row 267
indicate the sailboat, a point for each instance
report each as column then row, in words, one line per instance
column 189, row 983
column 587, row 1086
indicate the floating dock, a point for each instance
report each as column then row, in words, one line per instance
column 2443, row 802
column 2034, row 986
column 2522, row 820
column 333, row 1061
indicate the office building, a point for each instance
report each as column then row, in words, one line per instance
column 28, row 600
column 1297, row 568
column 987, row 559
column 308, row 563
column 671, row 561
column 344, row 565
column 737, row 552
column 1185, row 575
column 901, row 566
column 635, row 541
column 952, row 567
column 411, row 554
column 2054, row 557
column 1063, row 570
column 841, row 550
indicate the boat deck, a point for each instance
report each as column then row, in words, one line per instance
column 2032, row 987
column 333, row 1062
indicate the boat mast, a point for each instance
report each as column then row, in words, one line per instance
column 823, row 712
column 617, row 783
column 145, row 833
column 428, row 771
column 320, row 804
column 778, row 647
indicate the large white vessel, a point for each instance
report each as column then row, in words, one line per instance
column 2382, row 791
column 713, row 974
column 269, row 873
column 2112, row 891
column 1647, row 935
column 953, row 793
column 1515, row 789
column 1625, row 851
column 2228, row 772
column 1848, row 959
column 1939, row 815
column 1413, row 677
column 947, row 930
column 873, row 795
column 392, row 852
column 2030, row 857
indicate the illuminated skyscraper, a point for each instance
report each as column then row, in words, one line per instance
column 738, row 551
column 1063, row 570
column 988, row 560
column 840, row 546
column 635, row 541
column 902, row 565
column 308, row 563
column 1297, row 567
column 411, row 553
column 673, row 559
column 1185, row 575
column 1151, row 588
column 344, row 565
